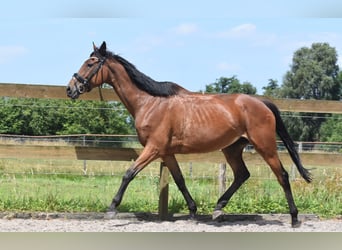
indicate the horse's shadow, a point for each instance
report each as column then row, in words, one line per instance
column 226, row 219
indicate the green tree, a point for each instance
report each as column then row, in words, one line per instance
column 51, row 117
column 94, row 117
column 12, row 118
column 230, row 85
column 272, row 89
column 314, row 74
column 339, row 79
column 331, row 130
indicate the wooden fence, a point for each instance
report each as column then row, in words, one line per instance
column 26, row 151
column 59, row 92
column 128, row 154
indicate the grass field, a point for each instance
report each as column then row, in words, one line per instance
column 58, row 185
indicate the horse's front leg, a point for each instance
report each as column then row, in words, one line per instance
column 176, row 173
column 148, row 155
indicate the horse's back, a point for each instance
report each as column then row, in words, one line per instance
column 251, row 105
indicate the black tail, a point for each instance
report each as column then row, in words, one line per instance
column 288, row 142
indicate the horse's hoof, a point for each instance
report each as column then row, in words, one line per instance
column 296, row 224
column 110, row 215
column 218, row 215
column 192, row 217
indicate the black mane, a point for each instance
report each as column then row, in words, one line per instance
column 146, row 83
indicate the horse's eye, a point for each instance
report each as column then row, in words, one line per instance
column 89, row 65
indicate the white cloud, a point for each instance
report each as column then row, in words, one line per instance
column 149, row 42
column 227, row 67
column 186, row 29
column 243, row 29
column 249, row 32
column 240, row 31
column 172, row 37
column 11, row 52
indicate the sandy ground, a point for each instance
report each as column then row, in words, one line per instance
column 143, row 222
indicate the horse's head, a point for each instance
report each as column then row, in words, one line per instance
column 89, row 76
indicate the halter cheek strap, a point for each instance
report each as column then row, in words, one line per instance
column 85, row 86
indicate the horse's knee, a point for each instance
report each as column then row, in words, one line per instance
column 244, row 176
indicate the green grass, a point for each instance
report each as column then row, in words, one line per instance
column 93, row 193
column 62, row 186
column 58, row 185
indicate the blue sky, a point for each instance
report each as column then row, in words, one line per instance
column 189, row 43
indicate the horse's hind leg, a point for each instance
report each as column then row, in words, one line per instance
column 233, row 154
column 176, row 173
column 267, row 148
column 283, row 179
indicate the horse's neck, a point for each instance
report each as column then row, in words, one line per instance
column 130, row 95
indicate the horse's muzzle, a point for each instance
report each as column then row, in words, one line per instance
column 72, row 92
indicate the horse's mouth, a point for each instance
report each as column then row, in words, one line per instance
column 72, row 93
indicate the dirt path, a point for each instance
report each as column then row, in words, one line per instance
column 128, row 222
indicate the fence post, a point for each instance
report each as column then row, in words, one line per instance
column 164, row 191
column 222, row 178
column 85, row 170
column 293, row 166
column 190, row 169
column 300, row 147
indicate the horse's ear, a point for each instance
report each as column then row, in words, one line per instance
column 95, row 48
column 103, row 49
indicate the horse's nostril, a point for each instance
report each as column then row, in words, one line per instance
column 81, row 89
column 68, row 90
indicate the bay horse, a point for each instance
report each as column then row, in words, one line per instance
column 171, row 120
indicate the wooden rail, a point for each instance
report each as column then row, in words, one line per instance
column 50, row 91
column 58, row 92
column 128, row 154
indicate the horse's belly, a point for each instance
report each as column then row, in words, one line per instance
column 206, row 143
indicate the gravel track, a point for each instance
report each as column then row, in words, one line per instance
column 144, row 222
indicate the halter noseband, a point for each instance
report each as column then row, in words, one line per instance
column 85, row 86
